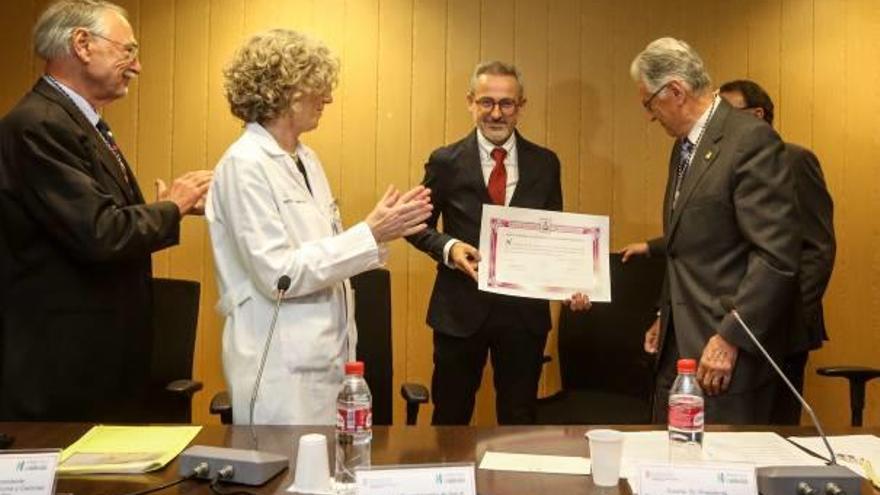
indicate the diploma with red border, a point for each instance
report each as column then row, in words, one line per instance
column 544, row 254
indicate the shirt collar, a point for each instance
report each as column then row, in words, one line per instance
column 81, row 103
column 697, row 129
column 487, row 146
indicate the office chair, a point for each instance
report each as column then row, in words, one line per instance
column 373, row 317
column 606, row 376
column 175, row 318
column 858, row 377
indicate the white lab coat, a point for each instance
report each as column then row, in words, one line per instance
column 264, row 223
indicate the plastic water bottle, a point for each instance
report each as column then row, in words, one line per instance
column 354, row 427
column 686, row 408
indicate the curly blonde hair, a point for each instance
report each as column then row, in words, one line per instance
column 273, row 70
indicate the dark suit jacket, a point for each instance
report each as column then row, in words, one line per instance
column 459, row 192
column 76, row 239
column 817, row 247
column 734, row 232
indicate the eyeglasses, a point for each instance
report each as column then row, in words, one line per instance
column 507, row 105
column 130, row 49
column 647, row 103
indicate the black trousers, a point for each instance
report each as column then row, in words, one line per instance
column 786, row 407
column 749, row 407
column 517, row 357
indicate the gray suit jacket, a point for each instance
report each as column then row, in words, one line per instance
column 734, row 232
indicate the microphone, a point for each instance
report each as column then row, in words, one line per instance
column 249, row 467
column 281, row 287
column 793, row 479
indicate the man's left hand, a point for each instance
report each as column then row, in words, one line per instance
column 578, row 302
column 716, row 365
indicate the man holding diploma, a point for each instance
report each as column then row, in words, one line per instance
column 491, row 165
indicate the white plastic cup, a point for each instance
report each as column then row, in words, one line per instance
column 312, row 466
column 606, row 451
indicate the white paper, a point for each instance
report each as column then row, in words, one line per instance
column 696, row 479
column 848, row 449
column 544, row 254
column 448, row 479
column 31, row 472
column 531, row 463
column 761, row 449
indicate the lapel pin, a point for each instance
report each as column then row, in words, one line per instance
column 709, row 155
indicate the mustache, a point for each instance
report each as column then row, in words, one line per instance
column 130, row 73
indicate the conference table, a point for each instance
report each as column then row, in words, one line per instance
column 391, row 445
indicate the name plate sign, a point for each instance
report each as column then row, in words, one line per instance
column 697, row 479
column 28, row 471
column 419, row 479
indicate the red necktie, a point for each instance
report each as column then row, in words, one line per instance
column 498, row 177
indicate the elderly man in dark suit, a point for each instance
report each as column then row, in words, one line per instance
column 493, row 164
column 75, row 312
column 729, row 229
column 818, row 246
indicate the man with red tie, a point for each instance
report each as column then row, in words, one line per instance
column 493, row 164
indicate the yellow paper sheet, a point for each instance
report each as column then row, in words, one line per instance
column 125, row 449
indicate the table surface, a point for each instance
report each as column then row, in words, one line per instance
column 391, row 445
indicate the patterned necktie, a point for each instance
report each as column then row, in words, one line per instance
column 498, row 177
column 302, row 170
column 684, row 159
column 104, row 129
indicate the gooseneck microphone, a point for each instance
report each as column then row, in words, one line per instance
column 281, row 287
column 798, row 479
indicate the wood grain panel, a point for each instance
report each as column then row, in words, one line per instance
column 531, row 58
column 16, row 50
column 497, row 18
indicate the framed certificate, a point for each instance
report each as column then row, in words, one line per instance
column 544, row 254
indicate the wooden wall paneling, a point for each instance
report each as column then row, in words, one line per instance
column 393, row 135
column 225, row 35
column 462, row 55
column 631, row 35
column 765, row 44
column 155, row 98
column 327, row 138
column 427, row 128
column 731, row 60
column 794, row 106
column 260, row 15
column 530, row 57
column 497, row 19
column 829, row 143
column 296, row 14
column 16, row 52
column 122, row 114
column 37, row 64
column 598, row 108
column 358, row 102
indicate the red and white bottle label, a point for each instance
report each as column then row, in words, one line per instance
column 353, row 420
column 686, row 416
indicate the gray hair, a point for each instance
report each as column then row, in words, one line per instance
column 496, row 68
column 57, row 23
column 668, row 59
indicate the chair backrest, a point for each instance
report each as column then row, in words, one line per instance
column 175, row 319
column 373, row 316
column 602, row 349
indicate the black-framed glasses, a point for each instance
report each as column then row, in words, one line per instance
column 507, row 105
column 130, row 49
column 647, row 102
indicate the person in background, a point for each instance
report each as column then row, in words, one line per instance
column 730, row 229
column 493, row 164
column 75, row 232
column 271, row 213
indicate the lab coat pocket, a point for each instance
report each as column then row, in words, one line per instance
column 308, row 339
column 234, row 298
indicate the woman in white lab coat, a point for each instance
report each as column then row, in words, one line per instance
column 271, row 213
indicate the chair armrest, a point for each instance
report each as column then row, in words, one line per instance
column 862, row 373
column 222, row 406
column 184, row 387
column 414, row 393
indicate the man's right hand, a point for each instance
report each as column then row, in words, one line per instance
column 187, row 191
column 652, row 337
column 465, row 257
column 636, row 249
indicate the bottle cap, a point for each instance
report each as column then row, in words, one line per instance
column 354, row 368
column 687, row 366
